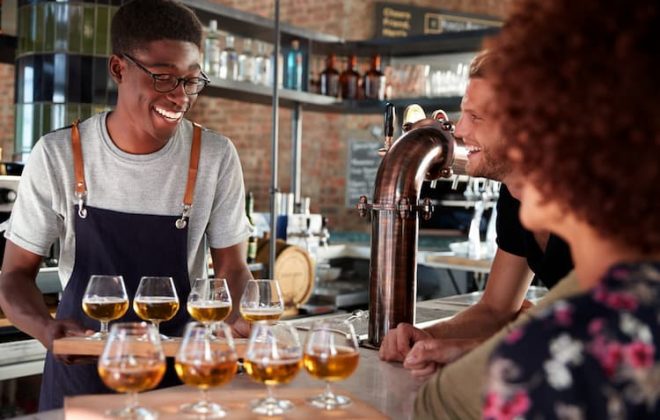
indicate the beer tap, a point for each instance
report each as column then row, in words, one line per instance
column 388, row 129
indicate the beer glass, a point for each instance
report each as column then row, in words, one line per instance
column 262, row 300
column 273, row 357
column 204, row 362
column 132, row 361
column 209, row 301
column 331, row 354
column 156, row 300
column 105, row 300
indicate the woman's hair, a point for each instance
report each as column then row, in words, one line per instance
column 578, row 92
column 139, row 22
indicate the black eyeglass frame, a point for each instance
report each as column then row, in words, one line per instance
column 158, row 77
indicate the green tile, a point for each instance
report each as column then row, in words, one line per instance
column 38, row 20
column 101, row 40
column 46, row 118
column 49, row 27
column 88, row 29
column 61, row 27
column 58, row 116
column 75, row 28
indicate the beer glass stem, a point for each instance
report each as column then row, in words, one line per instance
column 204, row 400
column 132, row 402
column 156, row 323
column 328, row 394
column 271, row 394
column 104, row 328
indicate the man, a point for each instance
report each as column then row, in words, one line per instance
column 423, row 351
column 111, row 190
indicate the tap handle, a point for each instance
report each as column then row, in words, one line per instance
column 411, row 115
column 388, row 129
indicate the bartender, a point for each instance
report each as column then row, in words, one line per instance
column 135, row 191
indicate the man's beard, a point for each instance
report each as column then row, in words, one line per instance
column 490, row 167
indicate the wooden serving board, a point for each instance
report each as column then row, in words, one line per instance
column 236, row 402
column 81, row 346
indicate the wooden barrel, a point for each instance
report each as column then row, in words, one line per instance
column 294, row 270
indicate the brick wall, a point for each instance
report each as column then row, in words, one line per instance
column 324, row 135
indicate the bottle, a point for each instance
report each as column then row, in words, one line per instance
column 229, row 60
column 252, row 240
column 330, row 77
column 245, row 61
column 294, row 67
column 349, row 79
column 374, row 81
column 261, row 67
column 212, row 50
column 280, row 70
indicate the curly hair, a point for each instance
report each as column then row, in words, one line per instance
column 578, row 89
column 141, row 21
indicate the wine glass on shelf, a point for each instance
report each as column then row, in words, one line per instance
column 262, row 301
column 156, row 300
column 331, row 354
column 132, row 361
column 105, row 300
column 273, row 357
column 204, row 362
column 209, row 301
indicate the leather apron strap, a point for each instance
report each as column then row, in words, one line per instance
column 193, row 165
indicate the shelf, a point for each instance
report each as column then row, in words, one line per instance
column 7, row 49
column 249, row 92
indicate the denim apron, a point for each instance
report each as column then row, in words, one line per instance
column 116, row 243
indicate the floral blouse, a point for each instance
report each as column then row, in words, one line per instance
column 593, row 356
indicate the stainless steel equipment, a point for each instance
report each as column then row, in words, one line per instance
column 426, row 151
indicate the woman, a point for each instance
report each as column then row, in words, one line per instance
column 578, row 92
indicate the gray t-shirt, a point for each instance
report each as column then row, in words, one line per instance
column 145, row 184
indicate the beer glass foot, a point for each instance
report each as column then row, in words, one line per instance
column 271, row 406
column 133, row 412
column 329, row 401
column 207, row 410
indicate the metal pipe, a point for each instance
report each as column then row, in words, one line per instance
column 274, row 150
column 296, row 147
column 426, row 151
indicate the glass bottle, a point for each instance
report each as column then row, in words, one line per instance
column 294, row 67
column 212, row 50
column 245, row 61
column 261, row 67
column 280, row 70
column 349, row 79
column 374, row 80
column 330, row 77
column 229, row 59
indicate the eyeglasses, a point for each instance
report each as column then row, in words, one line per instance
column 165, row 83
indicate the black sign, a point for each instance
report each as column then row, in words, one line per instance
column 361, row 167
column 397, row 20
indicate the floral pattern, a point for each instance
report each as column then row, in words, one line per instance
column 594, row 356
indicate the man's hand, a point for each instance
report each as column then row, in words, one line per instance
column 397, row 342
column 65, row 328
column 240, row 328
column 427, row 356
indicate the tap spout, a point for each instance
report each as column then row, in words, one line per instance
column 425, row 152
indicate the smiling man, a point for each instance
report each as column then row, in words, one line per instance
column 137, row 191
column 521, row 254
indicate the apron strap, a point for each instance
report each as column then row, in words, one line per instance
column 192, row 176
column 78, row 170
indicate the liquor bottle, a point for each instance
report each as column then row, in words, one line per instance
column 252, row 240
column 330, row 77
column 349, row 79
column 294, row 67
column 212, row 50
column 229, row 59
column 245, row 61
column 374, row 80
column 261, row 68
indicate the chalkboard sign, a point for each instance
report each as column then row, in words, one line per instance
column 401, row 20
column 362, row 166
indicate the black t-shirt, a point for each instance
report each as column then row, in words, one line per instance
column 512, row 237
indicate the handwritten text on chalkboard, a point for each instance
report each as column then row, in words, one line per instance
column 362, row 166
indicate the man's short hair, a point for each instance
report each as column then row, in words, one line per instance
column 481, row 65
column 139, row 22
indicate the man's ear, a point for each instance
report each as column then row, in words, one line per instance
column 116, row 68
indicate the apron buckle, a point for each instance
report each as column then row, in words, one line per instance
column 82, row 211
column 183, row 221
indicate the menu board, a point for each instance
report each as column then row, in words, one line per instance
column 362, row 166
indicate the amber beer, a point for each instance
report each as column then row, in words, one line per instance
column 105, row 308
column 273, row 372
column 332, row 367
column 140, row 374
column 209, row 311
column 156, row 308
column 206, row 375
column 261, row 314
